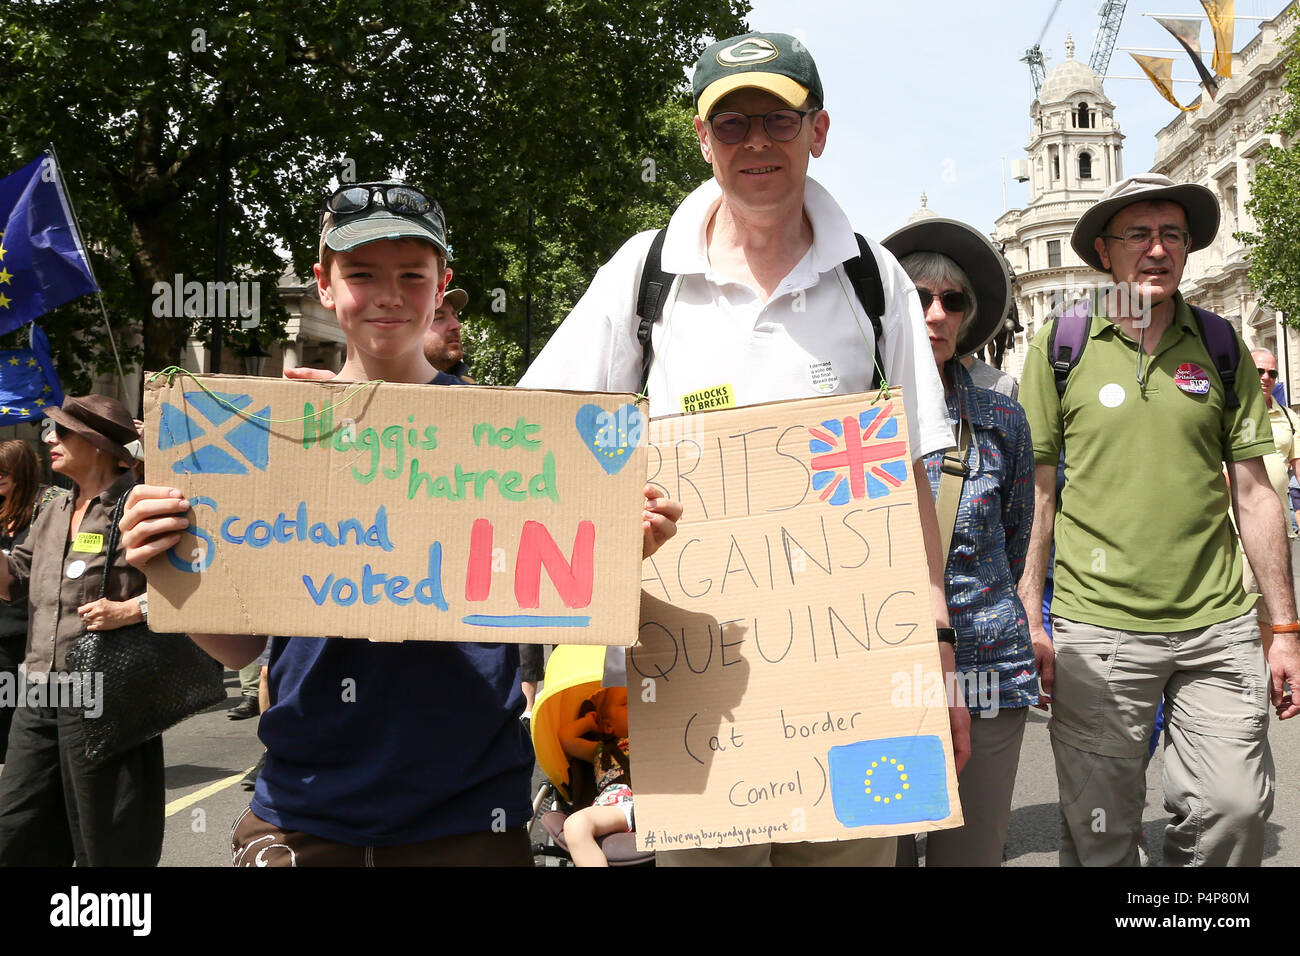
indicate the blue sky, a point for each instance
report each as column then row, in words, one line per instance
column 930, row 95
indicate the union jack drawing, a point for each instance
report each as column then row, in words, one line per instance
column 853, row 457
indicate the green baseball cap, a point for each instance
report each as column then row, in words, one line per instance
column 775, row 62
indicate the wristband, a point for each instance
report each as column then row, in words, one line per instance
column 948, row 635
column 1292, row 628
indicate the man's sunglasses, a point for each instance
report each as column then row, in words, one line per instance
column 952, row 301
column 400, row 200
column 781, row 125
column 1270, row 372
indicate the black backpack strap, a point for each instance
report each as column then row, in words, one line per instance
column 1221, row 342
column 864, row 275
column 1066, row 341
column 650, row 299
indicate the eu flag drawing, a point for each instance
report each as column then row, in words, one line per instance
column 891, row 780
column 28, row 382
column 42, row 262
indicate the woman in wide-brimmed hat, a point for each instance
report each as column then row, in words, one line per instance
column 965, row 290
column 55, row 807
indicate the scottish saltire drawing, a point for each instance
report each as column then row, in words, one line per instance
column 235, row 441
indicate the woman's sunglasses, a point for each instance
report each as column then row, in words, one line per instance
column 952, row 301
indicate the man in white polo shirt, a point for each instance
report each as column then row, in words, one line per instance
column 764, row 306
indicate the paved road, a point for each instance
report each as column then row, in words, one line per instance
column 207, row 755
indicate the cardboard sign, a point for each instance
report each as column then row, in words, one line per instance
column 398, row 512
column 787, row 683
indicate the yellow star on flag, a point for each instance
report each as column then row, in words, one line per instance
column 5, row 410
column 13, row 360
column 40, row 402
column 5, row 276
column 24, row 412
column 32, row 362
column 45, row 390
column 4, row 302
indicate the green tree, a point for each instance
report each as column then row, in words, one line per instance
column 497, row 108
column 1275, row 205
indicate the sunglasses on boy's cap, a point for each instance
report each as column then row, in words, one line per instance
column 367, row 212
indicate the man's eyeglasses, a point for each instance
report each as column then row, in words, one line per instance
column 781, row 125
column 401, row 200
column 1140, row 240
column 952, row 301
column 1270, row 372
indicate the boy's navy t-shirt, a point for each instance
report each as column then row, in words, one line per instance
column 377, row 744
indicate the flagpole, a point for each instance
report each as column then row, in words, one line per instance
column 62, row 184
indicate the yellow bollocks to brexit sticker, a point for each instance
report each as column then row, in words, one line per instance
column 88, row 543
column 707, row 399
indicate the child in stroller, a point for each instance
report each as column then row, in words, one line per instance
column 599, row 737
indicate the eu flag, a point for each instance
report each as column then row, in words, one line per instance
column 42, row 263
column 28, row 382
column 891, row 780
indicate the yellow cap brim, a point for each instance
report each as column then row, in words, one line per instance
column 779, row 86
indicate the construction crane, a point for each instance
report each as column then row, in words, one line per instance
column 1112, row 15
column 1034, row 55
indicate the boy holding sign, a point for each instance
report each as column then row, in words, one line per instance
column 379, row 753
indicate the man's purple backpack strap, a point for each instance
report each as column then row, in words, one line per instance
column 1069, row 336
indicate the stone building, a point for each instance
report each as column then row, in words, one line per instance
column 311, row 337
column 1218, row 146
column 1075, row 154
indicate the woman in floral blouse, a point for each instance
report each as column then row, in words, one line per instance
column 965, row 292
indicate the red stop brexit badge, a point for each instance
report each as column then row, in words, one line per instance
column 1191, row 378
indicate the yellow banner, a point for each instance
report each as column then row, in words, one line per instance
column 1160, row 69
column 1221, row 22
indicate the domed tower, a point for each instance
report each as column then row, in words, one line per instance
column 925, row 212
column 1074, row 145
column 1074, row 156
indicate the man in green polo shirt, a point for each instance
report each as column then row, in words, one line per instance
column 1148, row 599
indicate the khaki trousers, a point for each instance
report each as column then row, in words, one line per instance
column 879, row 852
column 1218, row 769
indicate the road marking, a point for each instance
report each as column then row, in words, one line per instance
column 180, row 803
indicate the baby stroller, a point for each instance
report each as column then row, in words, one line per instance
column 573, row 674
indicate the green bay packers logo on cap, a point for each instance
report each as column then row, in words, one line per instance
column 748, row 51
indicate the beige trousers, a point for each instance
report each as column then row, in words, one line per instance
column 1218, row 769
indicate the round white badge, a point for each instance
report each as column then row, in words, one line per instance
column 76, row 569
column 1112, row 395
